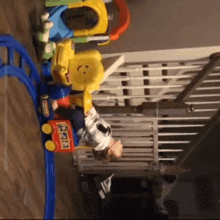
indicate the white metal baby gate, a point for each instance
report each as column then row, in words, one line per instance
column 152, row 140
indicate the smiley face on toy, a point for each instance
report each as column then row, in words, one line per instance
column 86, row 71
column 82, row 69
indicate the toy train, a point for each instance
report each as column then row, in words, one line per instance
column 58, row 132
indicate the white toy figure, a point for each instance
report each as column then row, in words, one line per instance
column 97, row 133
column 50, row 47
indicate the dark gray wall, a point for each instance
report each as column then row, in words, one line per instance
column 168, row 24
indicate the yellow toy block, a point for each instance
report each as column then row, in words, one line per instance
column 83, row 71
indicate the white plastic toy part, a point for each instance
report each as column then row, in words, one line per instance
column 106, row 184
column 47, row 25
column 107, row 1
column 106, row 187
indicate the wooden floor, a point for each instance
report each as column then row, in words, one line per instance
column 21, row 152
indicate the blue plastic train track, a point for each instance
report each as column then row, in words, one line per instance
column 32, row 83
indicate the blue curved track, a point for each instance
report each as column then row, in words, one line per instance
column 32, row 83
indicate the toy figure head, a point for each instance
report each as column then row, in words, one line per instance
column 114, row 151
column 86, row 71
column 115, row 148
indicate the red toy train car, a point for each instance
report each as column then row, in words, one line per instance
column 61, row 136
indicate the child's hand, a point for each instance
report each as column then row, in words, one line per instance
column 115, row 148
